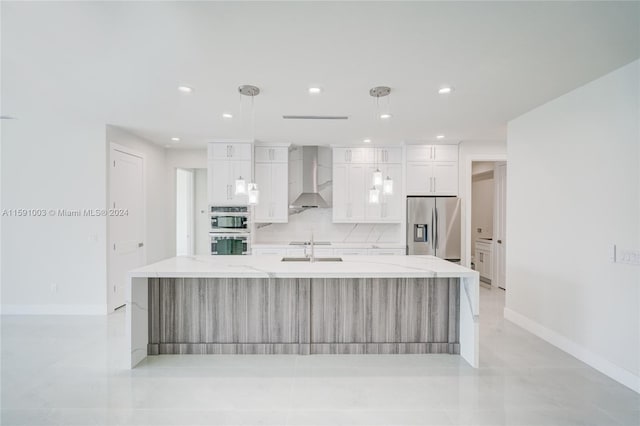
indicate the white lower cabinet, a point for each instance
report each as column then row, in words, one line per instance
column 483, row 258
column 386, row 252
column 350, row 252
column 268, row 252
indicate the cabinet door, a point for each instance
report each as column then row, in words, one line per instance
column 419, row 178
column 389, row 155
column 278, row 193
column 419, row 153
column 271, row 154
column 391, row 207
column 386, row 252
column 445, row 153
column 263, row 179
column 219, row 185
column 342, row 155
column 372, row 212
column 239, row 168
column 445, row 178
column 340, row 192
column 357, row 193
column 350, row 252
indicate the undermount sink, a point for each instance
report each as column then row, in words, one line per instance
column 308, row 259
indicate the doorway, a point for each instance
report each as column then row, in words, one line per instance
column 192, row 225
column 488, row 219
column 126, row 231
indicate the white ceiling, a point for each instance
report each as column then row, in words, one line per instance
column 121, row 62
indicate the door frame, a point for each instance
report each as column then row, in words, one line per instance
column 126, row 150
column 466, row 210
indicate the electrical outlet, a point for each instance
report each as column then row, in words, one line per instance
column 630, row 257
column 479, row 230
column 54, row 288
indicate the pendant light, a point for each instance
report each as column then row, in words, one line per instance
column 387, row 186
column 242, row 187
column 374, row 195
column 377, row 177
column 378, row 181
column 254, row 194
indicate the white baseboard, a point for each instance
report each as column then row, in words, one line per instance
column 54, row 309
column 590, row 358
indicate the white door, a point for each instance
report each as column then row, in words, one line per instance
column 499, row 226
column 126, row 232
column 185, row 241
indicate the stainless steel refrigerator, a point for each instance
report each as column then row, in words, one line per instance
column 434, row 227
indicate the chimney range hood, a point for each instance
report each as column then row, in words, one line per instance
column 310, row 197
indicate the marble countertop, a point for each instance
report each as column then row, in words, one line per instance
column 273, row 267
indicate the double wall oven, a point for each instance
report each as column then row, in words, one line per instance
column 230, row 231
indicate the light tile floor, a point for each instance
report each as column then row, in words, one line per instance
column 70, row 371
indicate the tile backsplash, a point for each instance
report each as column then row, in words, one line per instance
column 320, row 222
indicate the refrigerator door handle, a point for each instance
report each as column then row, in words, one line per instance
column 436, row 226
column 432, row 231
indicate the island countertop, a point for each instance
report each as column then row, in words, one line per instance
column 274, row 267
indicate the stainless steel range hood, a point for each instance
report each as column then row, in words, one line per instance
column 310, row 196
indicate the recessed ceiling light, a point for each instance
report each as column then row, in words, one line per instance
column 175, row 139
column 440, row 137
column 446, row 89
column 227, row 116
column 185, row 89
column 315, row 90
column 385, row 115
column 366, row 140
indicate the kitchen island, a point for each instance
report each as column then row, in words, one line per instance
column 264, row 305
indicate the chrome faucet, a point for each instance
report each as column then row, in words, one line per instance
column 313, row 255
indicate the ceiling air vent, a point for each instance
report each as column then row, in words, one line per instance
column 315, row 117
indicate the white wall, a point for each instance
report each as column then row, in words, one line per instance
column 471, row 151
column 573, row 189
column 47, row 163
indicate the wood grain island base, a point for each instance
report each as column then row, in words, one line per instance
column 303, row 315
column 258, row 305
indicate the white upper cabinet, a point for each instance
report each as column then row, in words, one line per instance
column 388, row 155
column 432, row 170
column 353, row 155
column 272, row 177
column 353, row 178
column 266, row 154
column 227, row 162
column 221, row 176
column 230, row 151
column 423, row 153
